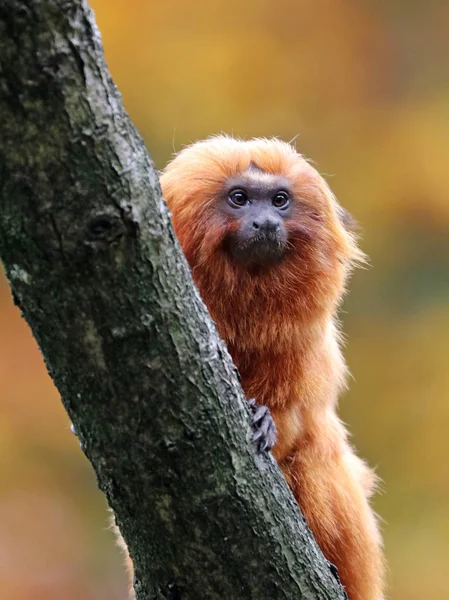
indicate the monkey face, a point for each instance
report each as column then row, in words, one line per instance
column 259, row 205
column 255, row 219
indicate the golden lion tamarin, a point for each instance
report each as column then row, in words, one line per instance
column 270, row 254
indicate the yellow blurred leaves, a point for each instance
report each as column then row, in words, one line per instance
column 365, row 86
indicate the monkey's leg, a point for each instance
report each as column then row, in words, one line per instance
column 121, row 543
column 331, row 488
column 128, row 562
column 130, row 570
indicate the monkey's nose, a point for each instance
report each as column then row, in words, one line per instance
column 267, row 225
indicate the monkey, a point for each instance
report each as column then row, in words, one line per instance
column 271, row 252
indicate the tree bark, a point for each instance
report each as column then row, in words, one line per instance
column 89, row 250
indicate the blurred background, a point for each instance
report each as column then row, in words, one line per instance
column 365, row 87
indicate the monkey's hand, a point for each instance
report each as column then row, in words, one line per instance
column 264, row 428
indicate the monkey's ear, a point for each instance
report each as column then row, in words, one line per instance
column 347, row 220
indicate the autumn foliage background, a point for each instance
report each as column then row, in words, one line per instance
column 365, row 87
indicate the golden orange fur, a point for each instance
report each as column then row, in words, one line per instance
column 279, row 325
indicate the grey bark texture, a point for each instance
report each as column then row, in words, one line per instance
column 89, row 250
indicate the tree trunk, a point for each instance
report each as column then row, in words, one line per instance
column 94, row 265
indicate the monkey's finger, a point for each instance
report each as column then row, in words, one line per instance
column 259, row 414
column 258, row 435
column 262, row 442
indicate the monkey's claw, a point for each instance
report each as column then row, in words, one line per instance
column 264, row 428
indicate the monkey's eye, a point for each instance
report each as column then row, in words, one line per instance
column 281, row 200
column 238, row 198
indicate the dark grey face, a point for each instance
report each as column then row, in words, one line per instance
column 261, row 203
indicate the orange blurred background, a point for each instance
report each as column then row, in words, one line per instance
column 365, row 87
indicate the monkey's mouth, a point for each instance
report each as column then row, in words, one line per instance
column 261, row 248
